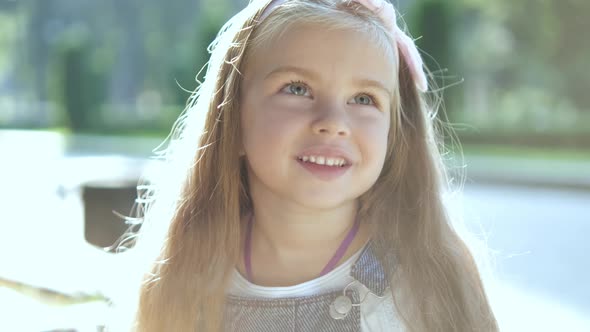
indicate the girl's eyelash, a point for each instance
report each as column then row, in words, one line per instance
column 298, row 82
column 372, row 96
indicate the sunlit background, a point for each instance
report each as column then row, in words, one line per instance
column 89, row 88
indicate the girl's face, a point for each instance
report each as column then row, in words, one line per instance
column 319, row 93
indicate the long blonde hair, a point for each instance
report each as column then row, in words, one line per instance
column 191, row 234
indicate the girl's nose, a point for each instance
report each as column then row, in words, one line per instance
column 331, row 120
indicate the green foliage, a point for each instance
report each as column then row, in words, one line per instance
column 539, row 154
column 118, row 121
column 527, row 59
column 548, row 49
column 7, row 39
column 524, row 64
column 193, row 55
column 432, row 21
column 527, row 109
column 78, row 83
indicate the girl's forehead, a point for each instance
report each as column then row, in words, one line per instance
column 325, row 50
column 296, row 31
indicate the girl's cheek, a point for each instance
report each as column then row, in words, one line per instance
column 289, row 109
column 371, row 119
column 376, row 131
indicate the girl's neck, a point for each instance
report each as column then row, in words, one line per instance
column 297, row 231
column 290, row 247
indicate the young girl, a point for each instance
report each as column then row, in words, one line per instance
column 302, row 186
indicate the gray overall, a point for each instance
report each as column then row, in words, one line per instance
column 308, row 313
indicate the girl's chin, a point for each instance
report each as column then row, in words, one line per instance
column 323, row 202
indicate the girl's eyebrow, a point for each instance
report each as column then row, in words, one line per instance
column 373, row 84
column 292, row 69
column 315, row 77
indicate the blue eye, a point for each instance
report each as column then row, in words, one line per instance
column 364, row 99
column 297, row 88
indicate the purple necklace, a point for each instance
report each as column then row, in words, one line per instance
column 329, row 267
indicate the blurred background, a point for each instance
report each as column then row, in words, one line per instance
column 89, row 88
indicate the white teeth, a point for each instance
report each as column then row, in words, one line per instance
column 321, row 160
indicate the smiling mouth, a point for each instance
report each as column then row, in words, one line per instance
column 324, row 161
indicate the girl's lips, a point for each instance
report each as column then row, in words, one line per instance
column 324, row 172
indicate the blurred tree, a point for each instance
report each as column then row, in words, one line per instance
column 571, row 49
column 432, row 22
column 8, row 5
column 210, row 17
column 80, row 85
column 525, row 69
column 502, row 48
column 74, row 87
column 547, row 51
column 129, row 67
column 38, row 48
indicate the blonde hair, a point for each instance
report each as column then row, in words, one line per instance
column 191, row 235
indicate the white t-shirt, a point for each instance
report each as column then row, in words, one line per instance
column 377, row 313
